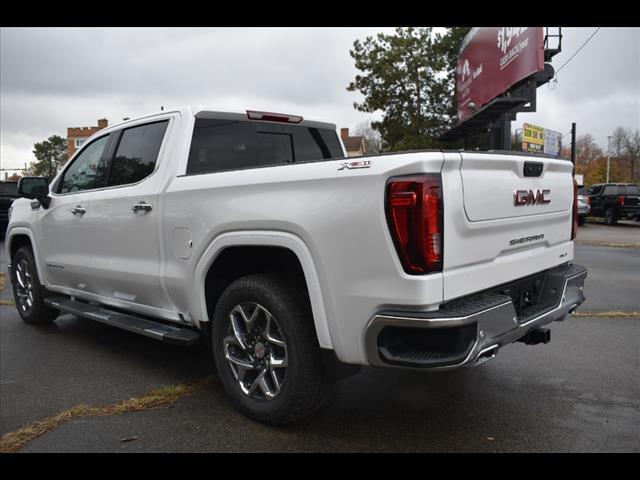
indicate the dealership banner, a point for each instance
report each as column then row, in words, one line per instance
column 552, row 143
column 493, row 59
column 541, row 140
column 532, row 138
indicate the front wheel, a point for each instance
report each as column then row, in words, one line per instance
column 266, row 350
column 28, row 293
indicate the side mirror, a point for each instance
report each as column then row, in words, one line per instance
column 35, row 188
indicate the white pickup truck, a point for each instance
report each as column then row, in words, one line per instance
column 253, row 232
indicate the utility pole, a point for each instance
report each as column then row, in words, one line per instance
column 573, row 144
column 518, row 141
column 608, row 156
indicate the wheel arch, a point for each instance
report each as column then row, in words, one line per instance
column 18, row 237
column 290, row 245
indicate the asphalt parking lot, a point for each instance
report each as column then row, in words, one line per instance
column 579, row 393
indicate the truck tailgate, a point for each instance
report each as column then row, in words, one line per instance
column 490, row 184
column 501, row 223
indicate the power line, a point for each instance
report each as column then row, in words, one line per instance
column 581, row 47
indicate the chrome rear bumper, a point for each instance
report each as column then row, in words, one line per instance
column 474, row 327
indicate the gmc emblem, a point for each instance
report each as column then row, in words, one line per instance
column 530, row 197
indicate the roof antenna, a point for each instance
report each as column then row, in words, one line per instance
column 161, row 108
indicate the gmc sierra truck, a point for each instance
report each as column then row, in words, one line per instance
column 253, row 232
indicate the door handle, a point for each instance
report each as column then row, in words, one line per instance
column 142, row 206
column 78, row 209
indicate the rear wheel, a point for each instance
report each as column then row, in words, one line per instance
column 266, row 351
column 28, row 292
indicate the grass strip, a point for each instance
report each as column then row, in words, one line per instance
column 607, row 244
column 161, row 397
column 610, row 314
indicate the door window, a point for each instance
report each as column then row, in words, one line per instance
column 137, row 153
column 88, row 169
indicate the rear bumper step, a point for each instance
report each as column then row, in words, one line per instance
column 470, row 330
column 149, row 328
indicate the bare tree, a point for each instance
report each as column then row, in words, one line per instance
column 371, row 137
column 625, row 148
column 618, row 138
column 632, row 150
column 587, row 150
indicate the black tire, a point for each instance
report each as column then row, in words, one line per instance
column 610, row 217
column 581, row 220
column 305, row 384
column 37, row 313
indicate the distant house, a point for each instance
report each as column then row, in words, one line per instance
column 76, row 136
column 356, row 146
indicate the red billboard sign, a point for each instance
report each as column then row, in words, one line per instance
column 493, row 59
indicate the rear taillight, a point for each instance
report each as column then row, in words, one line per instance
column 621, row 201
column 588, row 200
column 574, row 225
column 414, row 214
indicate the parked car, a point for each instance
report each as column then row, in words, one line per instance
column 8, row 193
column 584, row 208
column 253, row 232
column 614, row 201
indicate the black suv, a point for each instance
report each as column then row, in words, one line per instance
column 8, row 193
column 614, row 201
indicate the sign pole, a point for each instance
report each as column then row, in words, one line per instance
column 608, row 156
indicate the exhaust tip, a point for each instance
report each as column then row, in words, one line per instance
column 487, row 354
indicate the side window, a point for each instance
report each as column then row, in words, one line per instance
column 137, row 153
column 611, row 190
column 218, row 145
column 88, row 169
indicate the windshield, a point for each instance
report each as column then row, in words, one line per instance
column 9, row 189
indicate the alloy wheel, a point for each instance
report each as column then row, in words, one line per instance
column 255, row 351
column 24, row 286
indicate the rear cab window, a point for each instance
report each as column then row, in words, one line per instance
column 221, row 145
column 632, row 190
